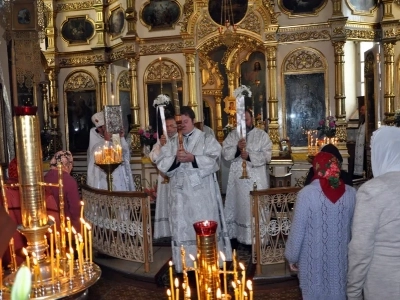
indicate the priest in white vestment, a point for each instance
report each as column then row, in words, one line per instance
column 256, row 150
column 360, row 145
column 96, row 177
column 161, row 219
column 194, row 189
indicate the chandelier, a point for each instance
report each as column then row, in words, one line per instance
column 227, row 33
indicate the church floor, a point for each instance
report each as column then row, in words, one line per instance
column 125, row 280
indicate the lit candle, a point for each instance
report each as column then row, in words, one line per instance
column 82, row 206
column 28, row 264
column 176, row 288
column 90, row 242
column 245, row 295
column 71, row 267
column 69, row 231
column 209, row 294
column 188, row 294
column 219, row 296
column 196, row 274
column 250, row 288
column 35, row 271
column 169, row 294
column 224, row 269
column 243, row 277
column 51, row 256
column 86, row 242
column 81, row 255
column 54, row 223
column 171, row 280
column 234, row 265
column 82, row 225
column 58, row 262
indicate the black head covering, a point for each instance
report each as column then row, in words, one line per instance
column 329, row 148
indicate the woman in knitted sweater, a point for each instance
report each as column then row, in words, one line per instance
column 320, row 232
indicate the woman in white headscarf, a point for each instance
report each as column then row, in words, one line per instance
column 374, row 250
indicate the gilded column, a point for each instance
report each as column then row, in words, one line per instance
column 54, row 112
column 102, row 70
column 337, row 8
column 220, row 133
column 135, row 108
column 388, row 50
column 99, row 24
column 273, row 128
column 387, row 9
column 191, row 75
column 131, row 17
column 340, row 98
column 50, row 29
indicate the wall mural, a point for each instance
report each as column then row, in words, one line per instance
column 362, row 6
column 305, row 105
column 301, row 7
column 116, row 22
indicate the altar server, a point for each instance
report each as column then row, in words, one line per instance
column 194, row 193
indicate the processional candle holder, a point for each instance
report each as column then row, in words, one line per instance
column 49, row 274
column 108, row 158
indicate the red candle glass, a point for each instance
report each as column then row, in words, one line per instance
column 205, row 228
column 25, row 110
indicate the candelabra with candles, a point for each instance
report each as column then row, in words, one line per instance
column 314, row 143
column 55, row 272
column 108, row 158
column 207, row 271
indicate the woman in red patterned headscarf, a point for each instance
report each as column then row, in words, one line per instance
column 71, row 192
column 320, row 232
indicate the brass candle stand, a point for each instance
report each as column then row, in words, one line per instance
column 109, row 168
column 208, row 272
column 52, row 277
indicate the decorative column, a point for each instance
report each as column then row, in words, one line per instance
column 45, row 101
column 388, row 50
column 192, row 85
column 340, row 98
column 135, row 108
column 337, row 8
column 99, row 24
column 131, row 17
column 273, row 128
column 102, row 70
column 54, row 112
column 387, row 9
column 218, row 111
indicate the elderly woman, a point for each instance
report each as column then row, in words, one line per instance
column 320, row 232
column 71, row 193
column 374, row 250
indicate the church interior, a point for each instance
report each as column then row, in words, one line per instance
column 303, row 60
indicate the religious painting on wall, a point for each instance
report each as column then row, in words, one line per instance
column 23, row 15
column 301, row 7
column 77, row 30
column 153, row 90
column 253, row 75
column 160, row 14
column 362, row 6
column 81, row 105
column 305, row 105
column 116, row 21
column 237, row 8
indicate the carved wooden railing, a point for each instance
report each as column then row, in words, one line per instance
column 272, row 211
column 121, row 224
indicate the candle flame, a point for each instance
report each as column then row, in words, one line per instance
column 222, row 255
column 66, row 229
column 34, row 261
column 176, row 282
column 188, row 294
column 88, row 226
column 206, row 223
column 52, row 218
column 25, row 251
column 49, row 230
column 73, row 230
column 249, row 285
column 57, row 251
column 245, row 293
column 233, row 284
column 170, row 263
column 71, row 250
column 241, row 266
column 68, row 219
column 168, row 293
column 82, row 203
column 68, row 256
column 219, row 295
column 83, row 221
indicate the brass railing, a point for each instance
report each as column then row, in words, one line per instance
column 121, row 224
column 272, row 211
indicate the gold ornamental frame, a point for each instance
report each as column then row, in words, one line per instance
column 78, row 80
column 356, row 11
column 115, row 10
column 168, row 69
column 302, row 69
column 152, row 28
column 292, row 14
column 87, row 40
